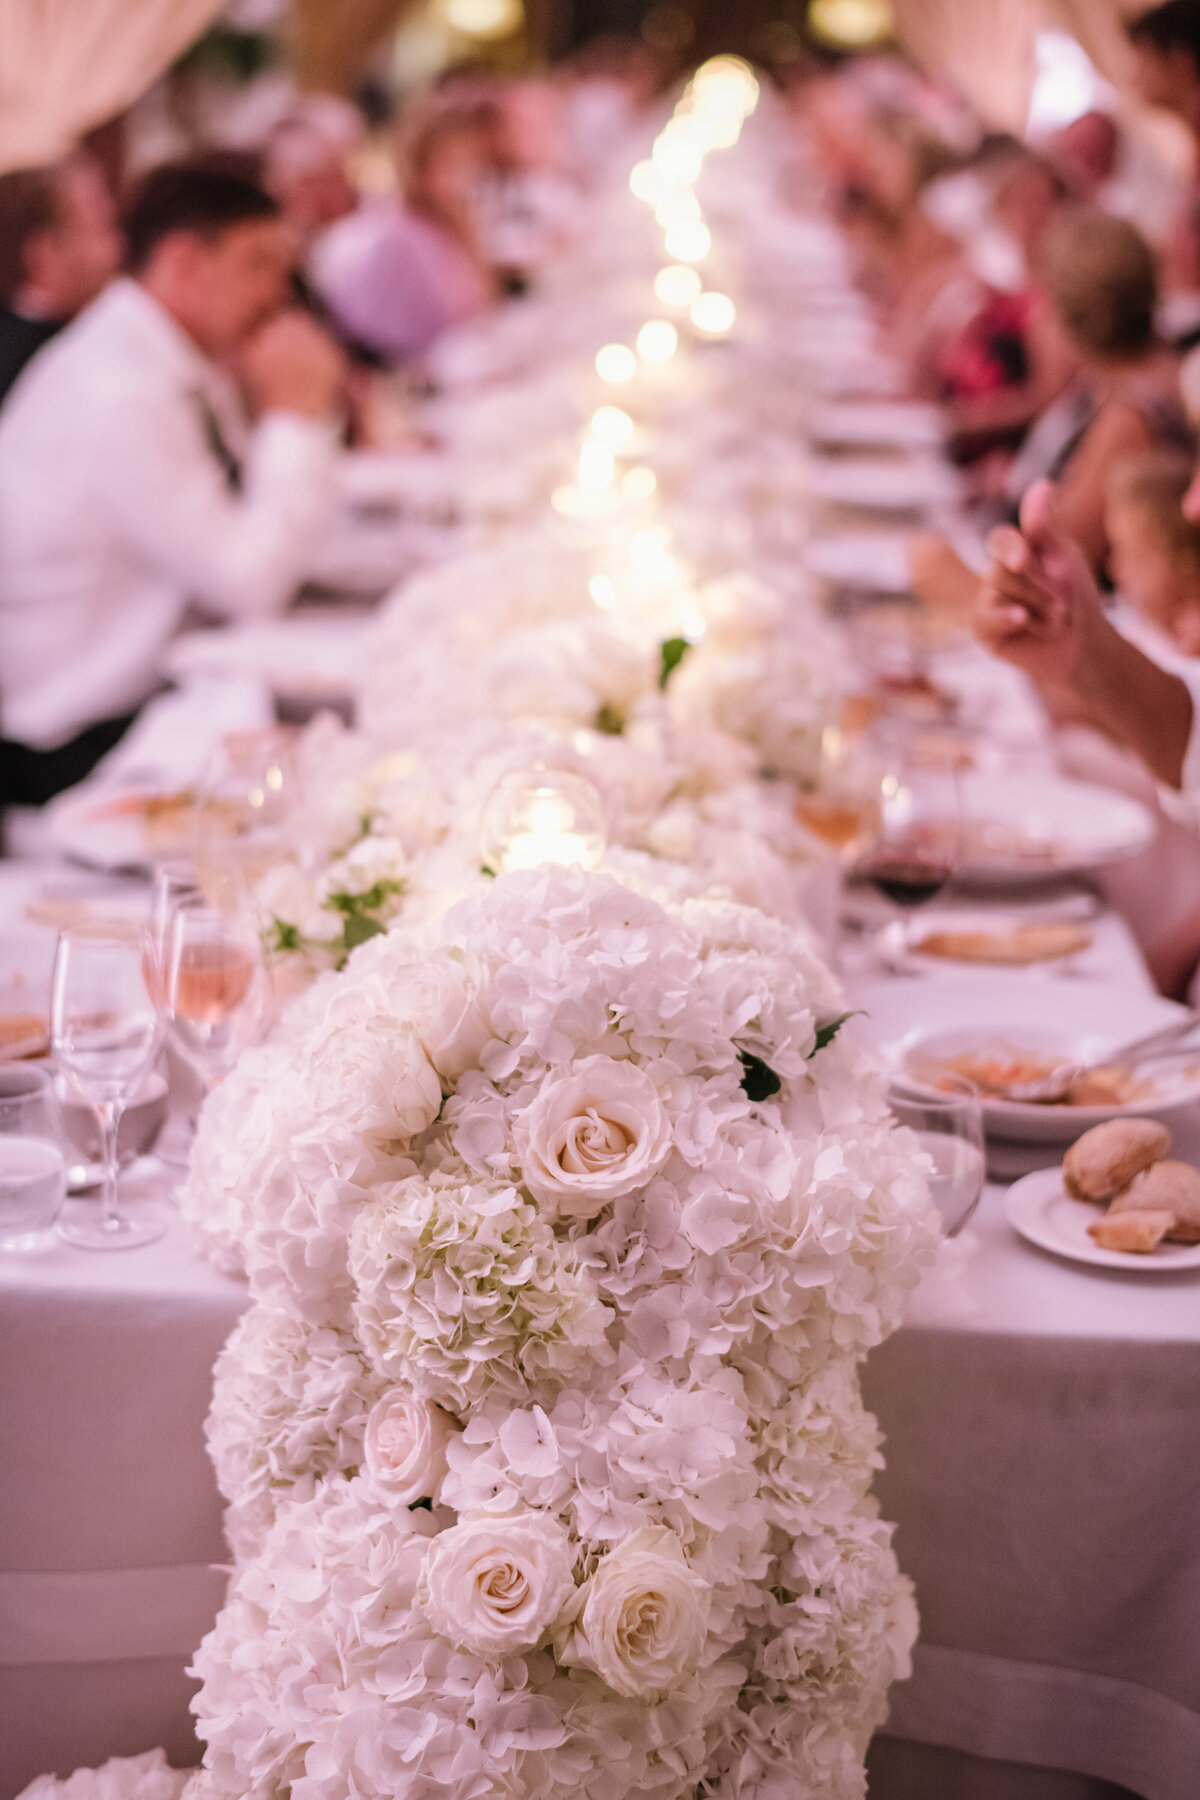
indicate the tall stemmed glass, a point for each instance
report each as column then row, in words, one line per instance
column 105, row 1031
column 916, row 843
column 215, row 990
column 175, row 884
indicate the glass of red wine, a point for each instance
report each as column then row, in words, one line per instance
column 915, row 847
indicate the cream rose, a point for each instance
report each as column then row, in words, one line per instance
column 449, row 1020
column 645, row 1615
column 495, row 1586
column 404, row 1446
column 592, row 1134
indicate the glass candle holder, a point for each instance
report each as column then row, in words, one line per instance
column 539, row 816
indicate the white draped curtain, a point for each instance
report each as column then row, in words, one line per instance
column 985, row 48
column 66, row 65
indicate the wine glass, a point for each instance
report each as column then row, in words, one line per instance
column 175, row 884
column 215, row 989
column 105, row 1032
column 33, row 1167
column 245, row 814
column 916, row 842
column 842, row 807
column 949, row 1129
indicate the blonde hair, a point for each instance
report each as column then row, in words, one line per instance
column 1153, row 484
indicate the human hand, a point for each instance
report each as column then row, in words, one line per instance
column 1038, row 606
column 292, row 365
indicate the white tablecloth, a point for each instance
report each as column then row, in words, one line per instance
column 110, row 1521
column 1043, row 1465
column 1043, row 1451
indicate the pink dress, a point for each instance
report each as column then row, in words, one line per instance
column 394, row 280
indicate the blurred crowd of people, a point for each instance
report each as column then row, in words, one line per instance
column 183, row 355
column 1046, row 294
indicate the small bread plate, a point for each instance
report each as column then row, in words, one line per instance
column 970, row 1023
column 876, row 484
column 1041, row 1210
column 120, row 828
column 875, row 424
column 874, row 562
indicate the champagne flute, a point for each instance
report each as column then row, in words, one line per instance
column 949, row 1129
column 105, row 1032
column 215, row 994
column 916, row 843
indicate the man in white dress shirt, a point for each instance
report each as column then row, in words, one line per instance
column 131, row 484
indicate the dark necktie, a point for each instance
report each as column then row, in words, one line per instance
column 217, row 443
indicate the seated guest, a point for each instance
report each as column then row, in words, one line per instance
column 1086, row 153
column 58, row 246
column 398, row 274
column 131, row 483
column 304, row 169
column 1012, row 361
column 1039, row 608
column 527, row 200
column 1156, row 550
column 1100, row 277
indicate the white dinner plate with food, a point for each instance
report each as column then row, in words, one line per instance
column 882, row 484
column 121, row 828
column 874, row 562
column 875, row 424
column 1041, row 1210
column 1018, row 827
column 997, row 1033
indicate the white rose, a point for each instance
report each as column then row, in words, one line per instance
column 591, row 1135
column 449, row 1019
column 404, row 1446
column 645, row 1615
column 495, row 1586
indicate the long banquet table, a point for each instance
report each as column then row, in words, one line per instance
column 1042, row 1465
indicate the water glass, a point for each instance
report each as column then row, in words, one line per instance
column 33, row 1166
column 106, row 1032
column 949, row 1128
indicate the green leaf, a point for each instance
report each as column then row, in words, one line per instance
column 610, row 720
column 758, row 1081
column 672, row 654
column 358, row 928
column 827, row 1033
column 287, row 937
column 369, row 901
column 486, row 869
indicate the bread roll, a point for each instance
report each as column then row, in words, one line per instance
column 1137, row 1233
column 1106, row 1158
column 1172, row 1187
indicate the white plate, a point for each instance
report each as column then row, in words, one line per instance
column 875, row 562
column 882, row 485
column 1068, row 826
column 85, row 825
column 1043, row 1212
column 870, row 424
column 1081, row 1021
column 293, row 656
